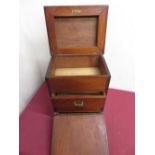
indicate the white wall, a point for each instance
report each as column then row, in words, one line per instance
column 34, row 51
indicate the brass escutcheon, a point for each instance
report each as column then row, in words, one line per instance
column 78, row 103
column 76, row 11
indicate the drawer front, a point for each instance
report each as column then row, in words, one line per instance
column 78, row 84
column 78, row 104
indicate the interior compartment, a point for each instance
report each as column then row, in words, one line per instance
column 82, row 65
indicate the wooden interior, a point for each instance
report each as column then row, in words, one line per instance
column 82, row 65
column 76, row 32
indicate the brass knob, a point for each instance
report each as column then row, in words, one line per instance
column 78, row 103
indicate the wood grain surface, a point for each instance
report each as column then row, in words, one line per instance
column 79, row 134
column 83, row 32
column 67, row 103
column 76, row 29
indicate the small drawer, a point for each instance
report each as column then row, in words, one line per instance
column 78, row 103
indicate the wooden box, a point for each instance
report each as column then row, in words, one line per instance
column 77, row 76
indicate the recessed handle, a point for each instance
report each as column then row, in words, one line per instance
column 78, row 103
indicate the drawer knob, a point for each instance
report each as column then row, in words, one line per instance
column 78, row 103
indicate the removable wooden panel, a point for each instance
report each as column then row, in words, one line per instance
column 78, row 102
column 76, row 32
column 75, row 134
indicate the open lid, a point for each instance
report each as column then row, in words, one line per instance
column 76, row 29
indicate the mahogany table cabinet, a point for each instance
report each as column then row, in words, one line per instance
column 77, row 76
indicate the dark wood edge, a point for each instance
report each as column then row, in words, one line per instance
column 102, row 29
column 79, row 113
column 48, row 69
column 80, row 76
column 87, row 50
column 105, row 64
column 108, row 73
column 79, row 97
column 47, row 75
column 51, row 32
column 87, row 10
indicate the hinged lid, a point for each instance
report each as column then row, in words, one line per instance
column 76, row 29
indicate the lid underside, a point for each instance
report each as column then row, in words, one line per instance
column 76, row 33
